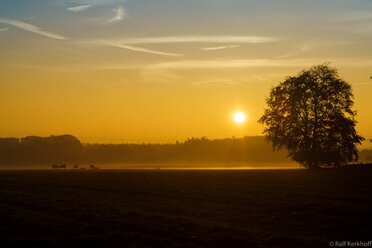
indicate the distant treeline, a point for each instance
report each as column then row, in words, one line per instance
column 34, row 149
column 68, row 149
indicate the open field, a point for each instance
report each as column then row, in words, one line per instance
column 163, row 166
column 161, row 208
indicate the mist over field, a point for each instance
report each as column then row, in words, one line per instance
column 34, row 152
column 42, row 152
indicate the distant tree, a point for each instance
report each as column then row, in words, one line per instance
column 9, row 149
column 63, row 148
column 311, row 116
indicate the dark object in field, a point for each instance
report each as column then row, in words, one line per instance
column 59, row 166
column 76, row 166
column 93, row 167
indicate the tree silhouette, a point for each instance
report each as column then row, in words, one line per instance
column 311, row 115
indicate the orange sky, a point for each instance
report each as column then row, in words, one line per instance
column 117, row 72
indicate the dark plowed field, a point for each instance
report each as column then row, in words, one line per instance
column 251, row 208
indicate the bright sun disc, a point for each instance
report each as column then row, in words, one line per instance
column 239, row 117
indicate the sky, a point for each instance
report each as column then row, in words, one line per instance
column 159, row 71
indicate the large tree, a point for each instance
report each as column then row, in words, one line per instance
column 311, row 116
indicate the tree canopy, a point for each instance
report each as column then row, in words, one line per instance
column 311, row 115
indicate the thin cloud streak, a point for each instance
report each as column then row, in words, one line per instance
column 197, row 39
column 79, row 8
column 4, row 29
column 119, row 15
column 213, row 64
column 144, row 50
column 31, row 28
column 99, row 2
column 201, row 64
column 284, row 56
column 219, row 48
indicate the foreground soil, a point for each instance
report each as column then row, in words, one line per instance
column 252, row 208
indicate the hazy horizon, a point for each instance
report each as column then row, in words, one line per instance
column 366, row 144
column 139, row 71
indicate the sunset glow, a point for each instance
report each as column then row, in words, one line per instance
column 160, row 71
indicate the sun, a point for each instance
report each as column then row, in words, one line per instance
column 239, row 117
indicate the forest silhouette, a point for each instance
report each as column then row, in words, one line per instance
column 68, row 149
column 34, row 150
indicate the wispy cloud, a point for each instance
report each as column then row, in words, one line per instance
column 98, row 2
column 249, row 63
column 204, row 64
column 357, row 16
column 144, row 50
column 81, row 5
column 219, row 47
column 288, row 55
column 127, row 43
column 306, row 47
column 31, row 28
column 209, row 64
column 119, row 15
column 198, row 39
column 79, row 8
column 4, row 29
